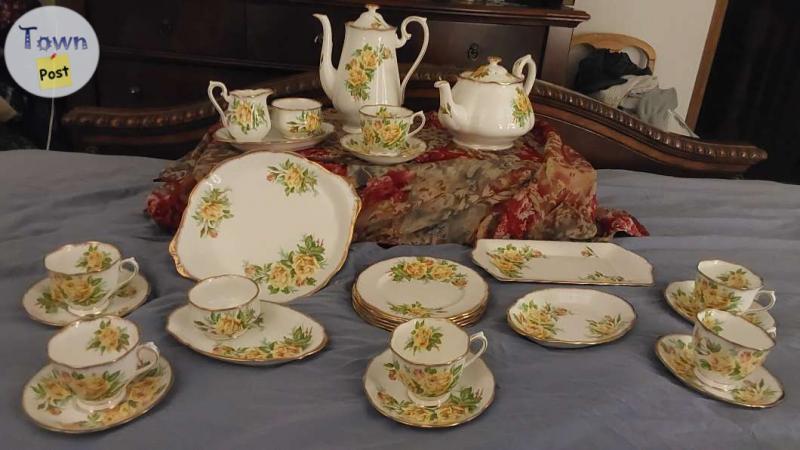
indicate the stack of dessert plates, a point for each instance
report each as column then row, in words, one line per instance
column 393, row 291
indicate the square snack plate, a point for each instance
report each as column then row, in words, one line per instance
column 599, row 263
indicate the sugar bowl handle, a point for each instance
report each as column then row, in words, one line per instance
column 211, row 86
column 479, row 336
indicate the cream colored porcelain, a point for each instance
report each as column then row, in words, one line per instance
column 286, row 335
column 489, row 108
column 274, row 141
column 385, row 129
column 571, row 318
column 727, row 348
column 599, row 263
column 760, row 389
column 226, row 306
column 729, row 287
column 367, row 72
column 277, row 218
column 680, row 297
column 84, row 276
column 42, row 306
column 468, row 399
column 247, row 117
column 97, row 358
column 429, row 356
column 354, row 144
column 297, row 118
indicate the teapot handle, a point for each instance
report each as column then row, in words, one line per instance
column 211, row 86
column 405, row 36
column 520, row 64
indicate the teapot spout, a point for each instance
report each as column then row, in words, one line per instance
column 327, row 73
column 447, row 107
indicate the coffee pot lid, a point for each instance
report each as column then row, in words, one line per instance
column 371, row 20
column 491, row 73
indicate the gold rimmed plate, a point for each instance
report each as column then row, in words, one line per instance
column 353, row 144
column 274, row 141
column 374, row 318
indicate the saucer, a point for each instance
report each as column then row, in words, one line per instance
column 759, row 390
column 679, row 296
column 470, row 398
column 41, row 307
column 274, row 141
column 571, row 318
column 287, row 335
column 50, row 405
column 352, row 143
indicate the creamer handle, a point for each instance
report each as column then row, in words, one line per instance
column 211, row 86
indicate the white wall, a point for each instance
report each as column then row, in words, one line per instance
column 677, row 29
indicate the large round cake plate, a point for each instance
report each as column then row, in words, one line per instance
column 277, row 218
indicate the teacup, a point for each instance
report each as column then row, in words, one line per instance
column 727, row 348
column 385, row 129
column 86, row 275
column 247, row 117
column 429, row 356
column 96, row 359
column 226, row 306
column 297, row 118
column 729, row 287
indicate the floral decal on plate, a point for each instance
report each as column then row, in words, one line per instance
column 510, row 260
column 230, row 324
column 606, row 327
column 214, row 207
column 83, row 290
column 424, row 338
column 600, row 277
column 108, row 338
column 93, row 386
column 415, row 310
column 454, row 409
column 428, row 269
column 288, row 347
column 710, row 294
column 307, row 123
column 384, row 132
column 51, row 394
column 428, row 381
column 361, row 69
column 587, row 252
column 680, row 357
column 522, row 108
column 294, row 178
column 736, row 279
column 94, row 259
column 735, row 365
column 51, row 300
column 294, row 269
column 247, row 115
column 539, row 321
column 754, row 393
column 126, row 291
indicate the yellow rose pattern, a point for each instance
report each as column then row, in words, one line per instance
column 294, row 178
column 83, row 290
column 453, row 410
column 481, row 71
column 587, row 252
column 246, row 115
column 107, row 338
column 94, row 386
column 424, row 338
column 606, row 327
column 521, row 108
column 733, row 364
column 230, row 324
column 428, row 269
column 308, row 123
column 688, row 304
column 712, row 295
column 214, row 208
column 94, row 260
column 539, row 321
column 51, row 300
column 288, row 347
column 384, row 132
column 736, row 279
column 51, row 394
column 361, row 69
column 510, row 259
column 295, row 269
column 427, row 382
column 414, row 310
column 600, row 277
column 754, row 393
column 712, row 324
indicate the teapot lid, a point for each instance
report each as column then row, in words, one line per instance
column 491, row 73
column 371, row 20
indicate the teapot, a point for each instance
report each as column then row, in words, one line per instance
column 488, row 108
column 367, row 72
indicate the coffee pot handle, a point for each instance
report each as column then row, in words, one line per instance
column 771, row 295
column 520, row 64
column 211, row 86
column 145, row 364
column 404, row 37
column 479, row 336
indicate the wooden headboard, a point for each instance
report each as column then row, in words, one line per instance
column 607, row 137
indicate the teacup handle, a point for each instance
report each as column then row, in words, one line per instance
column 479, row 336
column 211, row 86
column 145, row 364
column 135, row 270
column 421, row 115
column 771, row 295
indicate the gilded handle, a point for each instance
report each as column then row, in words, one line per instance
column 479, row 336
column 211, row 86
column 519, row 65
column 405, row 36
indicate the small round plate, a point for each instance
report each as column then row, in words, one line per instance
column 759, row 390
column 352, row 143
column 470, row 397
column 50, row 405
column 41, row 307
column 571, row 318
column 273, row 141
column 373, row 318
column 287, row 335
column 679, row 296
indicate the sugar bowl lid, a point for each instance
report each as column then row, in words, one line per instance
column 491, row 73
column 371, row 20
